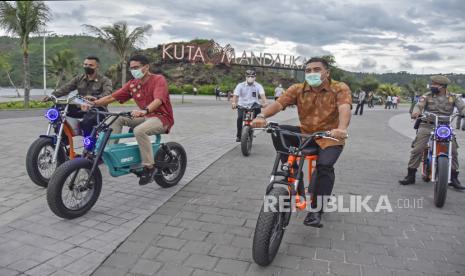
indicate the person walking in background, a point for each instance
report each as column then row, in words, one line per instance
column 278, row 92
column 388, row 102
column 460, row 124
column 370, row 99
column 361, row 102
column 395, row 100
column 217, row 93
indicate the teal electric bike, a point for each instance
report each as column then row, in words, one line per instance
column 76, row 184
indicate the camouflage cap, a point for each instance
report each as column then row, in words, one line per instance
column 440, row 79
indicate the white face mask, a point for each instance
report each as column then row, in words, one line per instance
column 250, row 80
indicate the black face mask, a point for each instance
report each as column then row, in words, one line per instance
column 89, row 71
column 434, row 90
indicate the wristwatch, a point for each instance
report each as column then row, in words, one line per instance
column 261, row 116
column 146, row 110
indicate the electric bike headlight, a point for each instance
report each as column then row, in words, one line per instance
column 443, row 132
column 89, row 143
column 52, row 114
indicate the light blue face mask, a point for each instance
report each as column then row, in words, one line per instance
column 313, row 79
column 137, row 73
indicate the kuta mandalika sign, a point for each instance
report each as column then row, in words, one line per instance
column 213, row 53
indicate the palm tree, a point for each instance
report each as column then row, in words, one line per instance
column 62, row 65
column 123, row 42
column 386, row 89
column 5, row 66
column 22, row 19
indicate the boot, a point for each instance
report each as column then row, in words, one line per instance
column 313, row 219
column 455, row 181
column 410, row 178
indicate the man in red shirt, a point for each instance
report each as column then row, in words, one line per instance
column 155, row 116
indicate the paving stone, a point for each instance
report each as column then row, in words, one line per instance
column 232, row 266
column 146, row 267
column 201, row 261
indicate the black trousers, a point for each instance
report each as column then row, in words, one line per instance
column 324, row 165
column 240, row 116
column 360, row 106
column 89, row 119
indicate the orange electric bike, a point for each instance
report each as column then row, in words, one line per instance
column 288, row 191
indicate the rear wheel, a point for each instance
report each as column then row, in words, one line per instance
column 39, row 165
column 246, row 140
column 269, row 230
column 440, row 187
column 168, row 177
column 67, row 195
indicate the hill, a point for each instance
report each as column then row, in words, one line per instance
column 179, row 74
column 82, row 46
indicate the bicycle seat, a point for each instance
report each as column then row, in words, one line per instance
column 310, row 151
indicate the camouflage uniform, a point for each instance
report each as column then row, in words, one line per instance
column 440, row 105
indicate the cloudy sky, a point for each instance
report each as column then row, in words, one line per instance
column 419, row 36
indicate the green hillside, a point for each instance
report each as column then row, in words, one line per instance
column 82, row 46
column 181, row 75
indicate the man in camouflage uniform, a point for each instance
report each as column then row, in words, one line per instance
column 439, row 101
column 92, row 85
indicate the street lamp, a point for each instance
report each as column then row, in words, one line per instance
column 45, row 62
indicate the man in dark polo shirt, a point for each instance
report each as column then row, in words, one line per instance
column 91, row 85
column 155, row 116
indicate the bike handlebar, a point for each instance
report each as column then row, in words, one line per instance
column 426, row 113
column 108, row 114
column 274, row 127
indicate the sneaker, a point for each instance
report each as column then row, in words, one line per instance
column 238, row 139
column 147, row 176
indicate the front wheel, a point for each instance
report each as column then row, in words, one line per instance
column 269, row 230
column 168, row 177
column 67, row 194
column 440, row 187
column 39, row 165
column 246, row 140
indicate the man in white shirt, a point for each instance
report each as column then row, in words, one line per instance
column 247, row 94
column 361, row 102
column 278, row 92
column 388, row 102
column 395, row 100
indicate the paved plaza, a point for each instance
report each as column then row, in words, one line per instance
column 204, row 226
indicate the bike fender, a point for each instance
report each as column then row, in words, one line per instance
column 443, row 154
column 52, row 137
column 276, row 183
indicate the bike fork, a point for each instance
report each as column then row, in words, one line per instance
column 106, row 137
column 58, row 142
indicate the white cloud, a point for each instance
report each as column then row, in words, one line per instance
column 361, row 34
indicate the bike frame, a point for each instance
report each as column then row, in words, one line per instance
column 63, row 127
column 248, row 115
column 438, row 146
column 295, row 182
column 102, row 133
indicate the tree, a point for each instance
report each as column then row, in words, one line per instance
column 121, row 40
column 416, row 87
column 62, row 65
column 386, row 89
column 22, row 19
column 454, row 88
column 6, row 67
column 369, row 83
column 351, row 81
